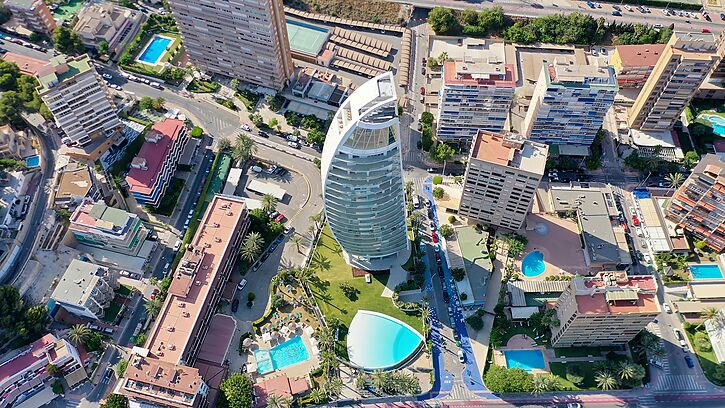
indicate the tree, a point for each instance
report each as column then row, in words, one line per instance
column 443, row 21
column 273, row 122
column 446, row 231
column 691, row 159
column 115, row 401
column 274, row 401
column 158, row 104
column 318, row 396
column 475, row 322
column 438, row 192
column 146, row 103
column 626, row 371
column 316, row 137
column 53, row 370
column 605, row 380
column 120, row 368
column 674, row 180
column 269, row 203
column 237, row 391
column 443, row 153
column 103, row 47
column 153, row 306
column 93, row 342
column 574, row 374
column 320, row 262
column 244, row 148
column 451, row 219
column 251, row 246
column 707, row 314
column 516, row 245
column 333, row 386
column 348, row 290
column 544, row 383
column 78, row 334
column 503, row 380
column 67, row 41
column 223, row 144
column 234, row 84
column 276, row 102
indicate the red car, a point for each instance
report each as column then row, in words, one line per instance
column 635, row 221
column 422, row 90
column 280, row 218
column 435, row 237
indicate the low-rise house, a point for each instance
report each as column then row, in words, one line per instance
column 84, row 290
column 75, row 182
column 15, row 144
column 110, row 23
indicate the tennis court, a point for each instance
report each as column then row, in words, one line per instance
column 68, row 10
column 306, row 38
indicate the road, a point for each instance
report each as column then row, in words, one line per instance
column 526, row 8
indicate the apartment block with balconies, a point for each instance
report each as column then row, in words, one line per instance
column 634, row 63
column 33, row 15
column 98, row 225
column 84, row 290
column 698, row 205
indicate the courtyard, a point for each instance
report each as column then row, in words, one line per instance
column 559, row 242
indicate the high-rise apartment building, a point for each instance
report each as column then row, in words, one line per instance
column 699, row 204
column 362, row 180
column 84, row 289
column 569, row 103
column 606, row 310
column 24, row 374
column 98, row 225
column 163, row 372
column 33, row 15
column 501, row 179
column 685, row 62
column 241, row 39
column 154, row 166
column 634, row 63
column 474, row 96
column 80, row 103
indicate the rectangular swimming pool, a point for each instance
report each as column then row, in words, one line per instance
column 155, row 49
column 706, row 271
column 290, row 352
column 525, row 359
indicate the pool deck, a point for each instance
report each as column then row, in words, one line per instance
column 170, row 46
column 696, row 265
column 521, row 342
column 561, row 246
column 299, row 370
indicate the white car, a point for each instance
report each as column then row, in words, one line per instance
column 242, row 284
column 667, row 308
column 107, row 76
column 116, row 87
column 627, row 7
column 246, row 128
column 177, row 245
column 293, row 145
column 256, row 169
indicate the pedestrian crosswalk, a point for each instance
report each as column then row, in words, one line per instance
column 460, row 392
column 647, row 401
column 72, row 404
column 675, row 382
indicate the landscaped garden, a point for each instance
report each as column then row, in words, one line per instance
column 156, row 24
column 67, row 10
column 707, row 122
column 340, row 295
column 199, row 86
column 169, row 200
column 700, row 341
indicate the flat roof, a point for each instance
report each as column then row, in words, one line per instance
column 97, row 215
column 620, row 294
column 478, row 73
column 78, row 281
column 74, row 183
column 61, row 68
column 639, row 55
column 566, row 73
column 652, row 138
column 194, row 278
column 159, row 142
column 510, row 150
column 707, row 289
column 467, row 49
column 306, row 38
column 24, row 360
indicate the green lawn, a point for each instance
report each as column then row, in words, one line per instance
column 529, row 331
column 169, row 200
column 112, row 311
column 334, row 303
column 198, row 86
column 585, row 368
column 707, row 359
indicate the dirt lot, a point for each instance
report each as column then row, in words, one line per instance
column 373, row 11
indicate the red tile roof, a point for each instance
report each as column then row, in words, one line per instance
column 143, row 181
column 640, row 55
column 281, row 386
column 27, row 65
column 22, row 362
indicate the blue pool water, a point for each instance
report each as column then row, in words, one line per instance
column 717, row 122
column 33, row 161
column 155, row 49
column 533, row 264
column 290, row 352
column 709, row 271
column 378, row 341
column 525, row 359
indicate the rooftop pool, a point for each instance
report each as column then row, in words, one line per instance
column 706, row 271
column 525, row 359
column 376, row 341
column 290, row 352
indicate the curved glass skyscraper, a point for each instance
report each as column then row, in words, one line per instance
column 362, row 180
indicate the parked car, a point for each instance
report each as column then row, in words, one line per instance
column 280, row 218
column 256, row 169
column 235, row 305
column 635, row 221
column 125, row 273
column 177, row 245
column 245, row 127
column 107, row 76
column 627, row 7
column 616, row 13
column 666, row 308
column 690, row 362
column 294, row 145
column 461, row 356
column 242, row 284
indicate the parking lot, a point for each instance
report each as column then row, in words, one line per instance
column 293, row 183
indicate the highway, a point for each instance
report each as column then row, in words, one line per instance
column 539, row 8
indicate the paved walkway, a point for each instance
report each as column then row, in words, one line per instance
column 398, row 275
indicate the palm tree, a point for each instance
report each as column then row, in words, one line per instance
column 658, row 352
column 425, row 315
column 78, row 334
column 544, row 383
column 269, row 203
column 333, row 386
column 274, row 401
column 674, row 180
column 320, row 262
column 297, row 240
column 316, row 219
column 361, row 380
column 707, row 314
column 304, row 276
column 380, row 380
column 223, row 144
column 626, row 371
column 318, row 395
column 244, row 148
column 251, row 246
column 153, row 307
column 605, row 380
column 409, row 188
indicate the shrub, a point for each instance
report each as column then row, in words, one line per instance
column 196, row 132
column 458, row 274
column 251, row 296
column 437, row 180
column 573, row 374
column 464, row 296
column 446, row 230
column 475, row 321
column 438, row 193
column 451, row 219
column 702, row 342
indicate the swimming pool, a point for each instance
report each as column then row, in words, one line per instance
column 378, row 341
column 290, row 352
column 533, row 264
column 707, row 271
column 717, row 122
column 33, row 161
column 155, row 49
column 525, row 359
